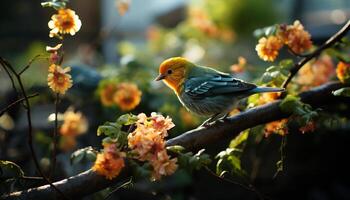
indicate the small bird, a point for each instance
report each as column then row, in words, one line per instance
column 206, row 91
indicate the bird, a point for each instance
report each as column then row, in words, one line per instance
column 205, row 91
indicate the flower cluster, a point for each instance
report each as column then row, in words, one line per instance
column 268, row 48
column 64, row 22
column 277, row 127
column 74, row 123
column 343, row 72
column 240, row 66
column 294, row 36
column 200, row 20
column 58, row 79
column 110, row 162
column 147, row 141
column 125, row 95
column 315, row 73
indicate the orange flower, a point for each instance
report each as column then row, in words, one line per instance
column 148, row 142
column 110, row 162
column 122, row 6
column 127, row 96
column 74, row 123
column 58, row 79
column 268, row 97
column 343, row 72
column 297, row 39
column 240, row 67
column 315, row 73
column 278, row 127
column 107, row 94
column 64, row 22
column 162, row 165
column 268, row 48
column 309, row 127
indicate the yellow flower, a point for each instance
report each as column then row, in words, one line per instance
column 268, row 48
column 278, row 127
column 107, row 93
column 110, row 162
column 127, row 96
column 74, row 123
column 163, row 165
column 64, row 22
column 297, row 39
column 58, row 79
column 343, row 72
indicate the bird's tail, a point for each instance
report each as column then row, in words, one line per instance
column 266, row 89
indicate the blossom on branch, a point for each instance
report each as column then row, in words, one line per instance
column 343, row 72
column 64, row 22
column 268, row 48
column 147, row 141
column 110, row 162
column 58, row 79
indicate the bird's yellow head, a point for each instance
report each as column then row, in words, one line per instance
column 173, row 72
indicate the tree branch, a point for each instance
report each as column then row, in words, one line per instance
column 332, row 40
column 89, row 182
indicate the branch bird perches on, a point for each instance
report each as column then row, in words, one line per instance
column 89, row 182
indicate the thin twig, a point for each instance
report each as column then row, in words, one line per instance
column 29, row 63
column 330, row 42
column 16, row 102
column 54, row 138
column 29, row 120
column 117, row 188
column 290, row 50
column 32, row 178
column 283, row 156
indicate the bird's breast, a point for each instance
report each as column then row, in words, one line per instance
column 207, row 106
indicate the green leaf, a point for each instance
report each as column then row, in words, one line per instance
column 127, row 119
column 9, row 170
column 239, row 139
column 176, row 148
column 54, row 4
column 109, row 129
column 266, row 31
column 290, row 104
column 192, row 162
column 342, row 92
column 85, row 153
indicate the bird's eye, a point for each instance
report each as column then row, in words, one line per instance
column 170, row 71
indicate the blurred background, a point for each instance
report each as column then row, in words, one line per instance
column 112, row 48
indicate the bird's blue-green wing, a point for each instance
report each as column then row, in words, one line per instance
column 215, row 84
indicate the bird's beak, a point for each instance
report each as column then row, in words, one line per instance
column 160, row 77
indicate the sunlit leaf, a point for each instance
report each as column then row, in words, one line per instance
column 85, row 153
column 10, row 169
column 239, row 139
column 342, row 92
